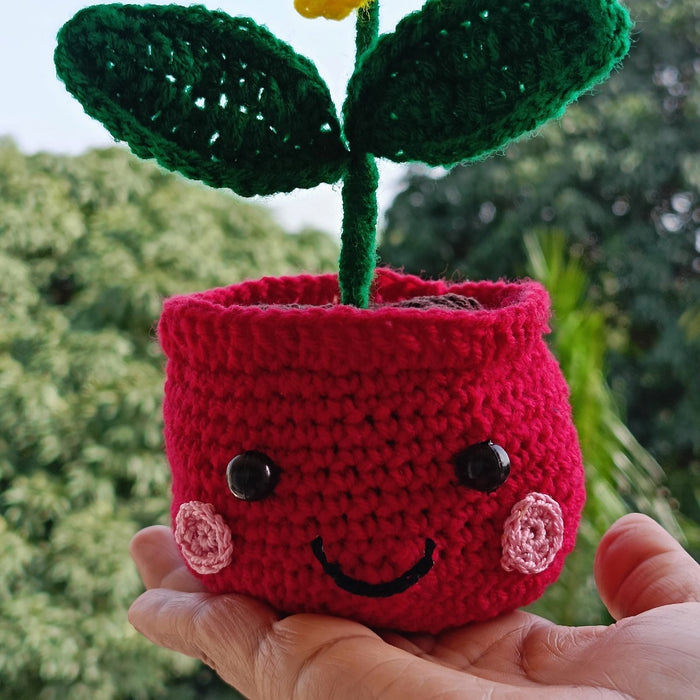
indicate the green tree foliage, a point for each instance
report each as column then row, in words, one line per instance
column 620, row 174
column 89, row 246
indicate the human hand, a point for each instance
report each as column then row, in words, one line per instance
column 646, row 580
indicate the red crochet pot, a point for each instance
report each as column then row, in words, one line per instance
column 411, row 468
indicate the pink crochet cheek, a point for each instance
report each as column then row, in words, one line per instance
column 203, row 537
column 532, row 534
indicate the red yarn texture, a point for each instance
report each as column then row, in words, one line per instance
column 363, row 411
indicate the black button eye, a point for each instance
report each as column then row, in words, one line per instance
column 483, row 466
column 252, row 476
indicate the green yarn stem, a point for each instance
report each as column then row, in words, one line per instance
column 358, row 241
column 359, row 237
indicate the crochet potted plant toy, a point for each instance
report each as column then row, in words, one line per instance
column 370, row 445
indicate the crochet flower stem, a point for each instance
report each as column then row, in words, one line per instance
column 358, row 241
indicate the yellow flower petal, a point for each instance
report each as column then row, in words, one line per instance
column 330, row 9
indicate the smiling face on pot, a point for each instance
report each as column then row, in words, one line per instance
column 400, row 496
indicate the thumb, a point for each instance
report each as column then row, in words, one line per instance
column 639, row 566
column 226, row 632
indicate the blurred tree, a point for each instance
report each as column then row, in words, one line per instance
column 89, row 246
column 620, row 174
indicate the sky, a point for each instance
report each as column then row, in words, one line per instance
column 39, row 114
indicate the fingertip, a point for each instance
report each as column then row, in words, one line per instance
column 144, row 610
column 165, row 617
column 639, row 566
column 626, row 526
column 158, row 561
column 136, row 612
column 148, row 537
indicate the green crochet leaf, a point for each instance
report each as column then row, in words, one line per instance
column 218, row 98
column 461, row 78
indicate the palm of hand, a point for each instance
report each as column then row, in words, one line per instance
column 647, row 581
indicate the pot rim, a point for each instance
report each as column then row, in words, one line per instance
column 297, row 321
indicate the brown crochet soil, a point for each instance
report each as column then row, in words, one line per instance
column 443, row 301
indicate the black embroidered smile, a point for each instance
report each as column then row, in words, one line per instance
column 375, row 590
